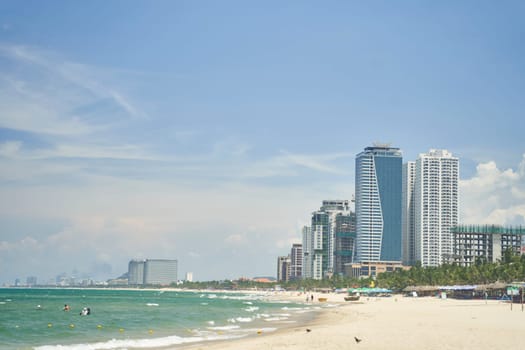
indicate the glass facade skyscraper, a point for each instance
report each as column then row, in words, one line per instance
column 378, row 186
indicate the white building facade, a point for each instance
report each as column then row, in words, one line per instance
column 152, row 271
column 436, row 200
column 307, row 252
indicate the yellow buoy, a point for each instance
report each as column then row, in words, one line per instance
column 72, row 326
column 259, row 332
column 49, row 325
column 150, row 331
column 121, row 330
column 99, row 326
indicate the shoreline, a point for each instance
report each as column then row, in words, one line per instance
column 395, row 322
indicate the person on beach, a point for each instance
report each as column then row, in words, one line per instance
column 66, row 307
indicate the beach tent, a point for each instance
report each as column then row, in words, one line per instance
column 457, row 288
column 369, row 291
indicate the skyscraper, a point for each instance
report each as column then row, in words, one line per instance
column 160, row 271
column 344, row 241
column 378, row 187
column 296, row 256
column 319, row 240
column 307, row 252
column 333, row 208
column 320, row 235
column 408, row 229
column 283, row 268
column 436, row 200
column 136, row 272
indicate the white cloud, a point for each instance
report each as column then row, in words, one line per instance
column 494, row 196
column 10, row 148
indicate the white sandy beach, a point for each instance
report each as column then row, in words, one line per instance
column 396, row 323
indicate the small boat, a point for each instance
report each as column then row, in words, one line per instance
column 322, row 300
column 352, row 298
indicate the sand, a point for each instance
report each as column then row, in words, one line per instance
column 395, row 323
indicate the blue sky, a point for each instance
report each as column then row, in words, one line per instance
column 208, row 131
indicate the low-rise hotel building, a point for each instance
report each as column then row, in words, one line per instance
column 367, row 269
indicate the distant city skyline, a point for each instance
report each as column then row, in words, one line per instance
column 208, row 131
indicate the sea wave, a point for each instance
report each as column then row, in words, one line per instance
column 240, row 319
column 224, row 328
column 122, row 344
column 252, row 308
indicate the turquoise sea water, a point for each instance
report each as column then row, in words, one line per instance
column 126, row 319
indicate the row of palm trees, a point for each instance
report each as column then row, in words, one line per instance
column 510, row 268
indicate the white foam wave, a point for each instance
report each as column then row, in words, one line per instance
column 271, row 319
column 152, row 304
column 224, row 328
column 252, row 308
column 121, row 344
column 240, row 319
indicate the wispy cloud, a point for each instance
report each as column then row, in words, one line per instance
column 290, row 164
column 42, row 94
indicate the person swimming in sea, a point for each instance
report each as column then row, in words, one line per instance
column 66, row 307
column 85, row 311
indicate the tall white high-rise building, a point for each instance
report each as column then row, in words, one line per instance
column 408, row 229
column 307, row 252
column 436, row 198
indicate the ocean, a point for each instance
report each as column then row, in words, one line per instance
column 126, row 319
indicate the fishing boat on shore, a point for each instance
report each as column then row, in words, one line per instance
column 353, row 297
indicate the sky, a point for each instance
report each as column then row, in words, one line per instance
column 209, row 131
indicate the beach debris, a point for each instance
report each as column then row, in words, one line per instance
column 357, row 340
column 308, row 330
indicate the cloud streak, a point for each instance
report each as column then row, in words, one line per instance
column 42, row 94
